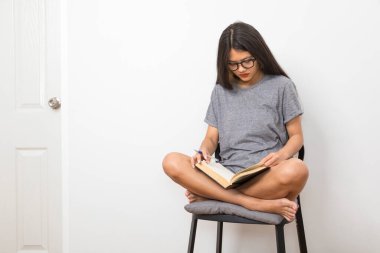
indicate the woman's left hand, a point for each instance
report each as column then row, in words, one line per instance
column 273, row 159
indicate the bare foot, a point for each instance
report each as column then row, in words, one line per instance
column 283, row 207
column 192, row 197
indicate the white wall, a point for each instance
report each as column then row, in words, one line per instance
column 140, row 75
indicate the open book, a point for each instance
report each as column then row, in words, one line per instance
column 227, row 178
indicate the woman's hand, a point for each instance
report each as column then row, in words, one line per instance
column 199, row 156
column 273, row 159
column 291, row 147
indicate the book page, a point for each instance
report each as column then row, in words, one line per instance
column 252, row 167
column 248, row 174
column 220, row 169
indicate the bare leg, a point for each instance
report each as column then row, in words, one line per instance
column 286, row 179
column 178, row 167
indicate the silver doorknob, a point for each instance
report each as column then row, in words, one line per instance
column 54, row 103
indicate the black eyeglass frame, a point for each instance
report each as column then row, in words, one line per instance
column 242, row 62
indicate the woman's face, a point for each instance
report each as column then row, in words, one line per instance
column 244, row 66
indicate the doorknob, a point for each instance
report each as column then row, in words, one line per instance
column 54, row 103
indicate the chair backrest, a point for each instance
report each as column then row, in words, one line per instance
column 217, row 152
column 301, row 153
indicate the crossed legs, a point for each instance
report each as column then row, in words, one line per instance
column 272, row 191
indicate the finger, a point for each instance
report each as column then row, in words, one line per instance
column 274, row 160
column 192, row 162
column 205, row 154
column 208, row 159
column 263, row 160
column 266, row 159
column 269, row 162
column 199, row 158
column 196, row 159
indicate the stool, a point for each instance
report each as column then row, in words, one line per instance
column 225, row 212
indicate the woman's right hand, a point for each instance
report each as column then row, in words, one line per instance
column 199, row 156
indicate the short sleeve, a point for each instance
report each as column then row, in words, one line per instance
column 291, row 105
column 211, row 115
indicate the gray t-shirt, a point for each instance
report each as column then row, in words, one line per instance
column 251, row 121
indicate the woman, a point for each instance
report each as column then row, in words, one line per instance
column 255, row 116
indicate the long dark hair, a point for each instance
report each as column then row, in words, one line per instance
column 242, row 36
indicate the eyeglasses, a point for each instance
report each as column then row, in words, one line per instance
column 246, row 63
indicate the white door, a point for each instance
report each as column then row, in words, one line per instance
column 30, row 160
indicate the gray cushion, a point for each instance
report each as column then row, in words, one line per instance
column 218, row 207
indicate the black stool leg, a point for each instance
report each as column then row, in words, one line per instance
column 280, row 238
column 193, row 231
column 219, row 237
column 301, row 231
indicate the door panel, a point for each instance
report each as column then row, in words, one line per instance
column 30, row 163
